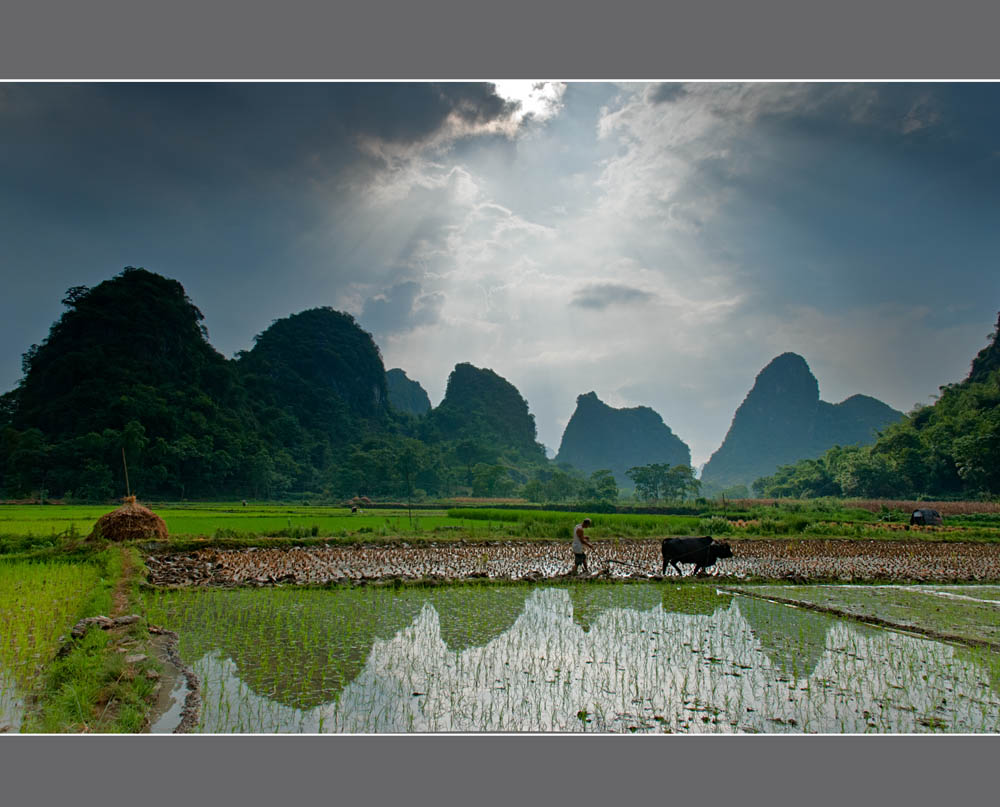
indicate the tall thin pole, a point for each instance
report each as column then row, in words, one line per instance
column 128, row 489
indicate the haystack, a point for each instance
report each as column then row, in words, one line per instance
column 129, row 522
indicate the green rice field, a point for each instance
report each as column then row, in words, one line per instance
column 50, row 522
column 38, row 603
column 640, row 657
column 26, row 527
column 483, row 656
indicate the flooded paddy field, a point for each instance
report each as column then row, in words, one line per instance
column 970, row 613
column 610, row 656
column 811, row 559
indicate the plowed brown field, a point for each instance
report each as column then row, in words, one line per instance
column 847, row 560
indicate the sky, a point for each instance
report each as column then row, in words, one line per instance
column 656, row 243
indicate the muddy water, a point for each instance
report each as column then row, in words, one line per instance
column 173, row 689
column 621, row 658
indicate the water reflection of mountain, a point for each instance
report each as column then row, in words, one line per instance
column 302, row 648
column 631, row 669
column 792, row 638
column 590, row 601
column 299, row 648
column 474, row 615
column 694, row 600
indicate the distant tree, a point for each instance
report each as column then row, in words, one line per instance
column 469, row 452
column 8, row 405
column 647, row 479
column 678, row 482
column 505, row 485
column 602, row 486
column 96, row 483
column 134, row 442
column 28, row 462
column 561, row 487
column 411, row 457
column 866, row 474
column 74, row 294
column 485, row 479
column 660, row 479
column 262, row 474
column 805, row 479
column 28, row 359
column 534, row 491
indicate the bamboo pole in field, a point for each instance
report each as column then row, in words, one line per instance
column 128, row 489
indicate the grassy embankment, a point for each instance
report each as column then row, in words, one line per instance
column 105, row 680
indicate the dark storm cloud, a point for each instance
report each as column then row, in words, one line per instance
column 602, row 295
column 222, row 186
column 222, row 157
column 401, row 308
column 846, row 181
column 174, row 134
column 662, row 93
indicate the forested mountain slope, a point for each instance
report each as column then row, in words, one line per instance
column 782, row 420
column 599, row 436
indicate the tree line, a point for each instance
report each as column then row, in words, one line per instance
column 127, row 374
column 128, row 370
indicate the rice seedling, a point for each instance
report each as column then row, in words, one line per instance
column 515, row 658
column 38, row 603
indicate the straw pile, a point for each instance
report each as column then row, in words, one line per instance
column 129, row 522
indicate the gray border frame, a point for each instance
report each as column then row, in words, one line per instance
column 459, row 39
column 486, row 769
column 455, row 39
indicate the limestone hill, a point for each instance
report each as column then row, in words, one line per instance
column 600, row 436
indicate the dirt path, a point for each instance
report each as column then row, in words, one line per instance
column 119, row 597
column 830, row 560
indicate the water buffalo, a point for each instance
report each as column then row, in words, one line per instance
column 702, row 552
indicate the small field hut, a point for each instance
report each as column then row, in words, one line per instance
column 129, row 522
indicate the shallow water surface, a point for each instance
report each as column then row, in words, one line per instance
column 173, row 689
column 11, row 703
column 615, row 657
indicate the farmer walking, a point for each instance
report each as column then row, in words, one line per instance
column 579, row 542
